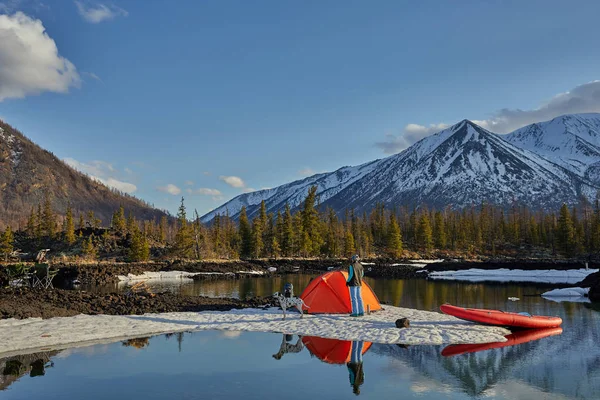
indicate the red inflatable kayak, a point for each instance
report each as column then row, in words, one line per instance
column 501, row 318
column 513, row 339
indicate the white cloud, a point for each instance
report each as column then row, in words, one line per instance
column 119, row 185
column 189, row 183
column 206, row 192
column 581, row 99
column 98, row 12
column 248, row 190
column 412, row 134
column 92, row 76
column 170, row 188
column 233, row 181
column 29, row 60
column 306, row 172
column 102, row 172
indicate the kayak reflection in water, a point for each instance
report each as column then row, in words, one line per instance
column 355, row 367
column 288, row 347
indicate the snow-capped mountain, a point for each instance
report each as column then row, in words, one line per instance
column 459, row 166
column 572, row 141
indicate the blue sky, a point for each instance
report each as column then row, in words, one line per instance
column 163, row 98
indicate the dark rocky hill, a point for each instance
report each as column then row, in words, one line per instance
column 29, row 173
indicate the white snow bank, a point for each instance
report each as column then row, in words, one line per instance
column 176, row 275
column 572, row 294
column 426, row 261
column 158, row 275
column 567, row 292
column 410, row 265
column 19, row 336
column 516, row 275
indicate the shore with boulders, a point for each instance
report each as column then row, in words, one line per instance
column 105, row 272
column 21, row 303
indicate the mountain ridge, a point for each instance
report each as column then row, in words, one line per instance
column 461, row 165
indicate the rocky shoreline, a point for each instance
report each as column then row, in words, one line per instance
column 26, row 303
column 103, row 273
column 20, row 303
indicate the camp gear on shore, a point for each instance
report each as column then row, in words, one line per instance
column 328, row 294
column 288, row 290
column 501, row 318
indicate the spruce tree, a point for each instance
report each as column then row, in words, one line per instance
column 31, row 224
column 118, row 221
column 424, row 234
column 565, row 231
column 162, row 229
column 48, row 219
column 69, row 226
column 184, row 242
column 81, row 222
column 6, row 243
column 311, row 238
column 89, row 249
column 245, row 232
column 287, row 234
column 349, row 249
column 139, row 249
column 257, row 238
column 394, row 238
column 439, row 235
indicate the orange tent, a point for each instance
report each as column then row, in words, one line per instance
column 331, row 351
column 328, row 294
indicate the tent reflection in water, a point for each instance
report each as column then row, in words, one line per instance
column 333, row 351
column 328, row 294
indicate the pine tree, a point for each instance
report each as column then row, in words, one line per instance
column 257, row 238
column 287, row 234
column 48, row 219
column 565, row 231
column 31, row 224
column 118, row 221
column 162, row 229
column 69, row 226
column 81, row 222
column 424, row 234
column 245, row 232
column 184, row 242
column 439, row 233
column 311, row 238
column 349, row 249
column 6, row 243
column 89, row 249
column 92, row 220
column 139, row 249
column 394, row 238
column 275, row 248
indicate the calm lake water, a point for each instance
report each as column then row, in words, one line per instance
column 231, row 365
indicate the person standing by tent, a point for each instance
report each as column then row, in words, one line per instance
column 355, row 367
column 354, row 282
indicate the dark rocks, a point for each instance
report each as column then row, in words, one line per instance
column 592, row 281
column 402, row 323
column 22, row 303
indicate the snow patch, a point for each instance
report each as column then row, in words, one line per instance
column 148, row 275
column 426, row 261
column 515, row 275
column 427, row 328
column 574, row 294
